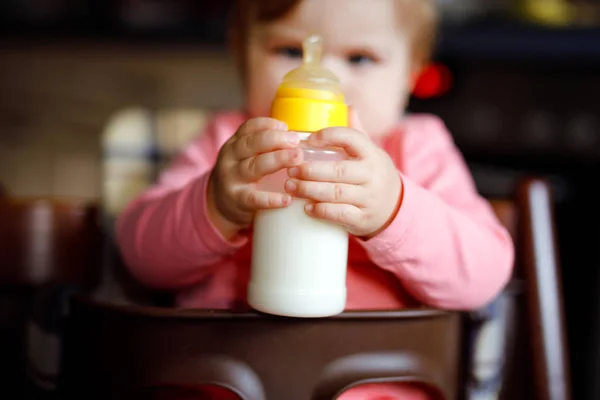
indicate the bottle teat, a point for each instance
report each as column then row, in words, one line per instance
column 310, row 97
column 311, row 80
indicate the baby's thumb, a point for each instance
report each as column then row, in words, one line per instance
column 354, row 120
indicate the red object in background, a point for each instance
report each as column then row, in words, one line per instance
column 434, row 81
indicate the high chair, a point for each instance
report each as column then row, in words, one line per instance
column 130, row 349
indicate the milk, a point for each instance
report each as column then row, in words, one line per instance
column 298, row 262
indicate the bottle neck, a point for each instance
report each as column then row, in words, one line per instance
column 320, row 153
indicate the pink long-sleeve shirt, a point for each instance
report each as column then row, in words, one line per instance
column 445, row 247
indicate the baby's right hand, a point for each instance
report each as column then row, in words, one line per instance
column 260, row 147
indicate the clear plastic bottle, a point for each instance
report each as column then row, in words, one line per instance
column 299, row 263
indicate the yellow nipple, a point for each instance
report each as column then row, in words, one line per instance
column 311, row 79
column 310, row 97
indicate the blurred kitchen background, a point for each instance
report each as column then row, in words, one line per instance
column 517, row 82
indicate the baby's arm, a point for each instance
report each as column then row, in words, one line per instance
column 165, row 235
column 445, row 244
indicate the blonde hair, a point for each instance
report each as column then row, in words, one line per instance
column 419, row 16
column 421, row 19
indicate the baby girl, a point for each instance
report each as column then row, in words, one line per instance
column 420, row 233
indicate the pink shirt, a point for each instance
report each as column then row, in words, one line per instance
column 445, row 247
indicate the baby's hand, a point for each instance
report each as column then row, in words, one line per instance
column 361, row 193
column 261, row 146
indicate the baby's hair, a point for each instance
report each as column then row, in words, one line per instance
column 419, row 16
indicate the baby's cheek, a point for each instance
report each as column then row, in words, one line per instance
column 257, row 104
column 380, row 122
column 381, row 112
column 260, row 90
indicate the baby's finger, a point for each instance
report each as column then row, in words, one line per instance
column 255, row 125
column 253, row 199
column 254, row 168
column 327, row 192
column 356, row 143
column 346, row 215
column 350, row 171
column 264, row 142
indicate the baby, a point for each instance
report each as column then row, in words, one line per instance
column 420, row 233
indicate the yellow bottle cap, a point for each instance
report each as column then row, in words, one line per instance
column 310, row 97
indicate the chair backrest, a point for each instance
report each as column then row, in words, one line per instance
column 44, row 243
column 122, row 351
column 535, row 324
column 44, row 239
column 543, row 291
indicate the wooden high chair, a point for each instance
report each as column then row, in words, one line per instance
column 115, row 351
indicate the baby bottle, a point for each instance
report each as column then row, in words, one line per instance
column 298, row 262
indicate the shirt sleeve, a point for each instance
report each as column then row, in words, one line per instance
column 445, row 244
column 165, row 235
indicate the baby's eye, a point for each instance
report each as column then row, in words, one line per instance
column 360, row 59
column 290, row 51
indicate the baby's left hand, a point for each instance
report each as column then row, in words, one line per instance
column 361, row 193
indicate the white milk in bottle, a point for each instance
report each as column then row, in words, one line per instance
column 298, row 262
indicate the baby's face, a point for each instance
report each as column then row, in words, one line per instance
column 364, row 46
